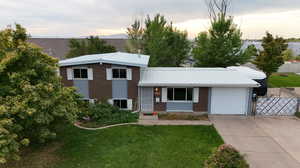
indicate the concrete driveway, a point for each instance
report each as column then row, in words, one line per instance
column 266, row 141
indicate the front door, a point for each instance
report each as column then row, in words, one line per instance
column 147, row 100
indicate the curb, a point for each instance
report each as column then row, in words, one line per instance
column 104, row 127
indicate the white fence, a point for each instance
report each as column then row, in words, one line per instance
column 277, row 106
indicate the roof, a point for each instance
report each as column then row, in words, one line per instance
column 194, row 77
column 59, row 47
column 118, row 58
column 251, row 73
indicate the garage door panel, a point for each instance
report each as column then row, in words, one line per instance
column 229, row 100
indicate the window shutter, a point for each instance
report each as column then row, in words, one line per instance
column 164, row 93
column 110, row 101
column 129, row 74
column 108, row 74
column 69, row 73
column 129, row 104
column 90, row 74
column 196, row 95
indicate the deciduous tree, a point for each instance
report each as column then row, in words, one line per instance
column 32, row 98
column 221, row 46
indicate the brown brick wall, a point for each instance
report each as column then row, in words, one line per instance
column 64, row 80
column 99, row 87
column 202, row 106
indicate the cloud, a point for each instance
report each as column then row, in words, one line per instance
column 79, row 17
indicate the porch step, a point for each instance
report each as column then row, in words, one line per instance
column 148, row 117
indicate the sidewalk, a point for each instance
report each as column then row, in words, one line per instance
column 153, row 120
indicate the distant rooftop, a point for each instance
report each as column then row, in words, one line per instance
column 195, row 77
column 119, row 58
column 59, row 47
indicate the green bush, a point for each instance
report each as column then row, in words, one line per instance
column 106, row 114
column 226, row 156
column 297, row 114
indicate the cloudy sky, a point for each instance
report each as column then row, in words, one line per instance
column 74, row 18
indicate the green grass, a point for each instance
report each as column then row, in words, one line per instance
column 284, row 80
column 135, row 147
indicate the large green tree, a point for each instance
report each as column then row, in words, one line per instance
column 90, row 45
column 32, row 98
column 166, row 45
column 221, row 46
column 271, row 57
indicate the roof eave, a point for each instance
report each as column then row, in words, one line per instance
column 102, row 61
column 195, row 85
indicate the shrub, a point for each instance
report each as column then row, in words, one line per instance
column 106, row 114
column 226, row 156
column 297, row 114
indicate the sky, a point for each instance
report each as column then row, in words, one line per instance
column 77, row 18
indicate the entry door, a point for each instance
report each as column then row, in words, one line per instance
column 147, row 99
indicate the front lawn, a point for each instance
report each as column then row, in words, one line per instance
column 284, row 80
column 133, row 147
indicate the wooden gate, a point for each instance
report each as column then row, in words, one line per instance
column 277, row 106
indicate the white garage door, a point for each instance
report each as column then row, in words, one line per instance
column 229, row 100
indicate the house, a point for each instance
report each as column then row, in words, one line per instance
column 124, row 80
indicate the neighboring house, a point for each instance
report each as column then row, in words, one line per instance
column 59, row 47
column 124, row 80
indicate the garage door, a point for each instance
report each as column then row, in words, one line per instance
column 229, row 101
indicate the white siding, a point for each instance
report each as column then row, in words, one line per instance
column 229, row 101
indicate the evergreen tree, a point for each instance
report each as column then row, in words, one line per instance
column 271, row 57
column 90, row 45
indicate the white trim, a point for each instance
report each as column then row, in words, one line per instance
column 164, row 95
column 69, row 73
column 108, row 74
column 179, row 101
column 118, row 68
column 87, row 69
column 186, row 91
column 126, row 103
column 196, row 95
column 129, row 74
column 90, row 74
column 129, row 104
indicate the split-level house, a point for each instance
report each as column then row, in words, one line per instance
column 126, row 81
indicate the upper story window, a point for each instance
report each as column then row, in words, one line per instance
column 119, row 73
column 80, row 73
column 180, row 94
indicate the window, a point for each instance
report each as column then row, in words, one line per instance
column 180, row 94
column 80, row 73
column 119, row 73
column 122, row 104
